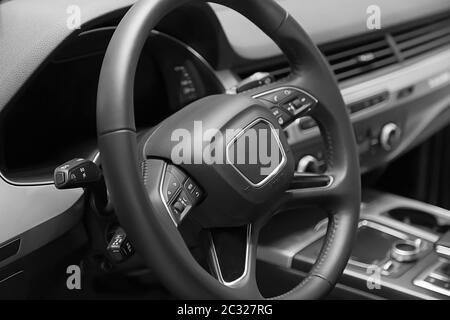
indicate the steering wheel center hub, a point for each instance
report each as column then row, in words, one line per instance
column 242, row 155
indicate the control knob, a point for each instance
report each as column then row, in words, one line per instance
column 389, row 136
column 407, row 250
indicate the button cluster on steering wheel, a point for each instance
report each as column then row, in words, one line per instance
column 287, row 104
column 180, row 192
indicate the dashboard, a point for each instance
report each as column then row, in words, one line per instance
column 49, row 79
column 55, row 116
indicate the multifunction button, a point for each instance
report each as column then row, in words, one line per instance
column 288, row 104
column 180, row 193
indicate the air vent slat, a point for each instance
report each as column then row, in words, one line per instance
column 362, row 70
column 348, row 63
column 425, row 38
column 420, row 30
column 429, row 46
column 364, row 55
column 352, row 51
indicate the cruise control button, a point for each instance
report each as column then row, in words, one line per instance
column 278, row 96
column 181, row 204
column 303, row 101
column 289, row 107
column 171, row 186
column 300, row 105
column 178, row 207
column 189, row 185
column 276, row 112
column 283, row 117
column 177, row 173
column 197, row 194
column 184, row 199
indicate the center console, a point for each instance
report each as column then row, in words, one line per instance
column 401, row 250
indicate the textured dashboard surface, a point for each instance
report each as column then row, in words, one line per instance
column 324, row 20
column 31, row 30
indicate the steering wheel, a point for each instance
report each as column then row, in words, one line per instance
column 154, row 193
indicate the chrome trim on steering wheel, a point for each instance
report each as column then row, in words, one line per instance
column 216, row 264
column 280, row 146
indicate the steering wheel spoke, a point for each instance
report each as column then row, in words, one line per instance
column 311, row 180
column 308, row 189
column 232, row 257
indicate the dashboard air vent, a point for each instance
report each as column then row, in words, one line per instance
column 362, row 54
column 353, row 58
column 422, row 38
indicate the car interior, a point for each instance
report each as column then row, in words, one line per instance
column 357, row 208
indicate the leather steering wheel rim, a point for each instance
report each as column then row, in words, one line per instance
column 153, row 234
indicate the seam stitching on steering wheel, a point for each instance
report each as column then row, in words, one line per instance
column 314, row 273
column 329, row 147
column 327, row 247
column 144, row 167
